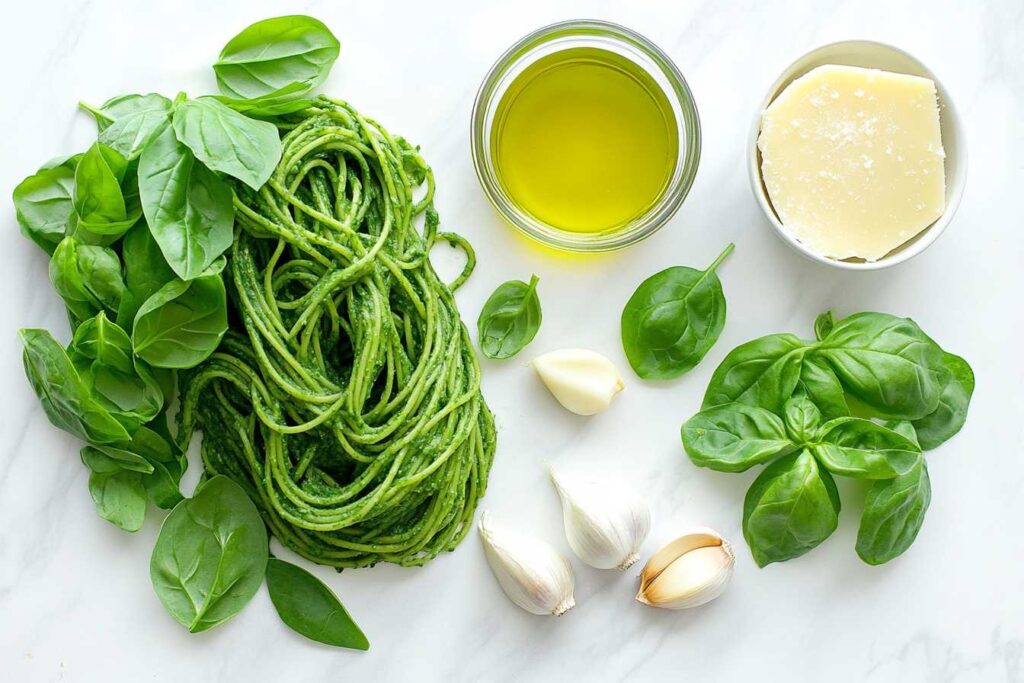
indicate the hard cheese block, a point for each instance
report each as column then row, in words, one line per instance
column 852, row 160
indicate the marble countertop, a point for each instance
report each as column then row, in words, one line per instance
column 75, row 598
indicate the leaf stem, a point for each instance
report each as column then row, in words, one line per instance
column 721, row 257
column 85, row 106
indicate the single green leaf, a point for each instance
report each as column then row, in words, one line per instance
column 88, row 278
column 227, row 141
column 100, row 203
column 802, row 419
column 182, row 323
column 109, row 458
column 854, row 447
column 120, row 498
column 823, row 325
column 734, row 437
column 43, row 203
column 818, row 383
column 673, row 319
column 904, row 428
column 145, row 272
column 950, row 414
column 210, row 556
column 127, row 123
column 280, row 103
column 763, row 372
column 309, row 607
column 893, row 514
column 188, row 207
column 509, row 319
column 790, row 509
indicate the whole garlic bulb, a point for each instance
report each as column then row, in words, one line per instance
column 532, row 573
column 605, row 523
column 583, row 381
column 692, row 570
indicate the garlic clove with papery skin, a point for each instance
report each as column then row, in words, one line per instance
column 532, row 573
column 583, row 381
column 688, row 572
column 605, row 522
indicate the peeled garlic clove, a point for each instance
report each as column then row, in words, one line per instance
column 583, row 381
column 605, row 523
column 688, row 572
column 532, row 573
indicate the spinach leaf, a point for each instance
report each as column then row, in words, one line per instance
column 894, row 511
column 673, row 319
column 790, row 509
column 210, row 556
column 854, row 447
column 127, row 123
column 509, row 319
column 87, row 277
column 309, row 607
column 66, row 399
column 182, row 323
column 283, row 56
column 100, row 203
column 734, row 437
column 118, row 493
column 188, row 207
column 887, row 362
column 949, row 416
column 145, row 271
column 43, row 203
column 763, row 372
column 802, row 419
column 823, row 325
column 227, row 141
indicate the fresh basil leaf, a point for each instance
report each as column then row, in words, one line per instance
column 509, row 319
column 818, row 383
column 854, row 447
column 210, row 556
column 823, row 325
column 88, row 278
column 894, row 511
column 309, row 607
column 163, row 484
column 66, row 399
column 43, row 203
column 188, row 207
column 108, row 458
column 269, row 106
column 887, row 362
column 293, row 54
column 734, row 437
column 949, row 416
column 763, row 372
column 904, row 428
column 182, row 323
column 145, row 271
column 127, row 123
column 117, row 493
column 673, row 319
column 99, row 198
column 227, row 141
column 802, row 419
column 790, row 509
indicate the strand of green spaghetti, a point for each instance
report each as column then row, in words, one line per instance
column 347, row 397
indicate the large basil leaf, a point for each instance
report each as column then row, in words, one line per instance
column 182, row 323
column 854, row 447
column 188, row 207
column 66, row 399
column 210, row 556
column 145, row 271
column 43, row 203
column 673, row 319
column 763, row 372
column 128, row 122
column 790, row 508
column 117, row 492
column 509, row 319
column 734, row 437
column 309, row 607
column 893, row 514
column 283, row 56
column 87, row 277
column 227, row 141
column 101, row 180
column 887, row 362
column 949, row 416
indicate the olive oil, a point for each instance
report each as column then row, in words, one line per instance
column 584, row 140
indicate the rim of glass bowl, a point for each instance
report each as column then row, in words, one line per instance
column 623, row 41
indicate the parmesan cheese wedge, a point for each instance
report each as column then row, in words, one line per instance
column 852, row 160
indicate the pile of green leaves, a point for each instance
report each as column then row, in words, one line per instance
column 864, row 400
column 136, row 227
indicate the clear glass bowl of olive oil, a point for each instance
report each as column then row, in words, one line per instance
column 585, row 136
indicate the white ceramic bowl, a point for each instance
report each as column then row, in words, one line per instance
column 872, row 55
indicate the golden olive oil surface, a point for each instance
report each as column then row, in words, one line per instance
column 584, row 140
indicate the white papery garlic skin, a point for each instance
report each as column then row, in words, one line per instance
column 690, row 571
column 605, row 522
column 532, row 573
column 583, row 381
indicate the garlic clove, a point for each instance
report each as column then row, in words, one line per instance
column 583, row 381
column 605, row 523
column 532, row 573
column 690, row 571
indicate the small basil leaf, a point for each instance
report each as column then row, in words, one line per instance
column 109, row 458
column 763, row 372
column 904, row 428
column 88, row 278
column 818, row 383
column 182, row 323
column 790, row 509
column 673, row 319
column 43, row 202
column 118, row 494
column 894, row 511
column 163, row 478
column 99, row 198
column 127, row 123
column 802, row 419
column 823, row 325
column 309, row 607
column 227, row 141
column 188, row 207
column 734, row 437
column 145, row 271
column 949, row 416
column 854, row 447
column 509, row 319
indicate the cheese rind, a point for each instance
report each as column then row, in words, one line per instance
column 852, row 160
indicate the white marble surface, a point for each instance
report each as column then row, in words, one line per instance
column 75, row 598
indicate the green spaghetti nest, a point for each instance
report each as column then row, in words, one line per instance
column 346, row 396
